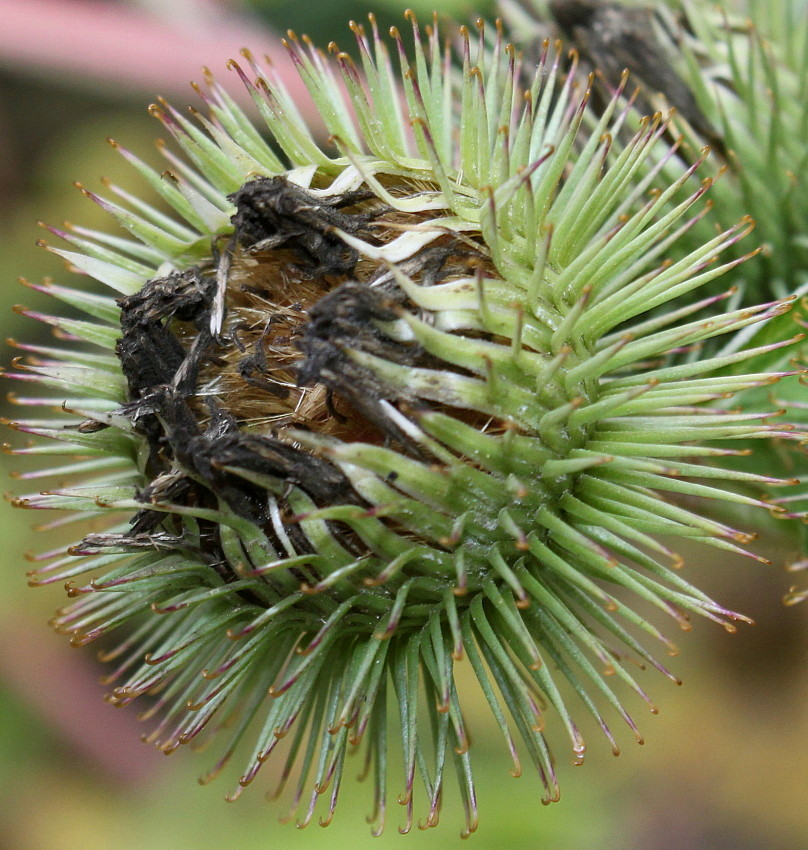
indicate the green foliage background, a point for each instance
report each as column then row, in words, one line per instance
column 726, row 761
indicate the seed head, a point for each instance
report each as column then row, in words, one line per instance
column 362, row 410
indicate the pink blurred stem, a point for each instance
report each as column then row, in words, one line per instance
column 114, row 46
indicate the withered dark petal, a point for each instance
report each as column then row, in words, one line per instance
column 273, row 212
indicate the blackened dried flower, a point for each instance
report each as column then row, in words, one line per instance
column 364, row 411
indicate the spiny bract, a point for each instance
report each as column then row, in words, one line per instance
column 738, row 75
column 367, row 409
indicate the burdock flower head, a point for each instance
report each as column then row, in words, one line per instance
column 361, row 411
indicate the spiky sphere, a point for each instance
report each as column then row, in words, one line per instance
column 364, row 410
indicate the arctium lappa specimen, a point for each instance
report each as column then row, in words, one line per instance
column 360, row 411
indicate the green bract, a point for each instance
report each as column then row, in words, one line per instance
column 750, row 70
column 743, row 88
column 365, row 409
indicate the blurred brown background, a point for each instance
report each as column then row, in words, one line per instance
column 726, row 761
